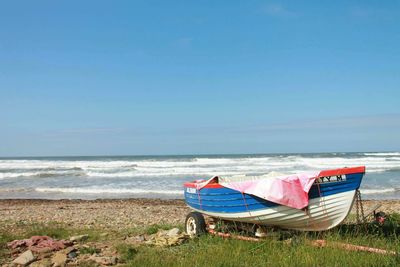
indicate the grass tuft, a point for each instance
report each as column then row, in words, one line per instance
column 126, row 252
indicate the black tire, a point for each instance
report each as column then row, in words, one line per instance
column 195, row 224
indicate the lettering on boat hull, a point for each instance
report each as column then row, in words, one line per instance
column 330, row 179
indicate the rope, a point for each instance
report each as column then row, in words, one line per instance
column 307, row 210
column 198, row 196
column 247, row 207
column 323, row 203
column 359, row 208
column 245, row 203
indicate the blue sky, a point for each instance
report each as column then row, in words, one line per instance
column 189, row 77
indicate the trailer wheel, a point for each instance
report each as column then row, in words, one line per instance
column 195, row 224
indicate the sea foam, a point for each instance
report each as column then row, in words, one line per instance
column 153, row 175
column 94, row 190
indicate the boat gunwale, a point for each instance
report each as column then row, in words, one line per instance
column 324, row 173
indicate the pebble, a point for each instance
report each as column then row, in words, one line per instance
column 78, row 238
column 126, row 214
column 25, row 258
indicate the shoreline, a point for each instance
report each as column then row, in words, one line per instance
column 97, row 200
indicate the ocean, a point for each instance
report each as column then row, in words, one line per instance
column 163, row 176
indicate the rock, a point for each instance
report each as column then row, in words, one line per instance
column 25, row 258
column 41, row 263
column 72, row 255
column 59, row 259
column 39, row 244
column 140, row 238
column 69, row 250
column 78, row 238
column 173, row 232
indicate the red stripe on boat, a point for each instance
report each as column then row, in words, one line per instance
column 342, row 171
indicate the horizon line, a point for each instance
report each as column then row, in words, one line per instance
column 195, row 154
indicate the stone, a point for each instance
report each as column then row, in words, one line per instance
column 69, row 250
column 59, row 259
column 140, row 238
column 78, row 238
column 25, row 258
column 173, row 232
column 39, row 244
column 72, row 255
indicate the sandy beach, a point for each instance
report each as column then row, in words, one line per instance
column 116, row 214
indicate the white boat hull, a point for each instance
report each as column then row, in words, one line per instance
column 323, row 213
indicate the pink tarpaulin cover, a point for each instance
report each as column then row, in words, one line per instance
column 289, row 190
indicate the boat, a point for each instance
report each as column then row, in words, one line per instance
column 330, row 198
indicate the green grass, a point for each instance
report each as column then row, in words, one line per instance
column 52, row 229
column 4, row 238
column 126, row 252
column 214, row 251
column 209, row 250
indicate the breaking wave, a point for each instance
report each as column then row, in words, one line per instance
column 42, row 174
column 194, row 166
column 383, row 154
column 164, row 175
column 379, row 191
column 108, row 191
